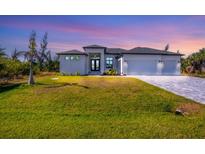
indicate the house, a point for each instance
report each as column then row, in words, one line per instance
column 96, row 59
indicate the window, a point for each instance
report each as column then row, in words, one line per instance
column 71, row 57
column 95, row 56
column 77, row 57
column 74, row 57
column 109, row 62
column 67, row 57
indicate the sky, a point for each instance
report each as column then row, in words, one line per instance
column 183, row 33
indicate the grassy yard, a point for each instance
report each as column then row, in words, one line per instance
column 96, row 107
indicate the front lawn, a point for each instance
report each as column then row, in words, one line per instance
column 96, row 107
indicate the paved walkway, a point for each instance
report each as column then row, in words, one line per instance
column 189, row 87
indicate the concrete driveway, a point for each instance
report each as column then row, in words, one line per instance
column 189, row 87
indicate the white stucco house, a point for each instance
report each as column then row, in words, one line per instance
column 95, row 59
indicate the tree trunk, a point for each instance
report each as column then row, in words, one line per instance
column 41, row 65
column 31, row 79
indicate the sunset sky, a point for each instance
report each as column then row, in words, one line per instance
column 184, row 33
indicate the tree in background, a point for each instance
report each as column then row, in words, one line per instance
column 42, row 54
column 2, row 56
column 2, row 52
column 52, row 64
column 12, row 67
column 194, row 63
column 16, row 54
column 49, row 60
column 32, row 55
column 166, row 47
column 55, row 64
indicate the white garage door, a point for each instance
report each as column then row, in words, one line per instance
column 170, row 67
column 141, row 67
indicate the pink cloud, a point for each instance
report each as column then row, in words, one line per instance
column 156, row 35
column 63, row 46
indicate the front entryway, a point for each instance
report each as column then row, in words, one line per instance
column 95, row 64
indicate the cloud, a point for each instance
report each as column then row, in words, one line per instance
column 63, row 46
column 180, row 35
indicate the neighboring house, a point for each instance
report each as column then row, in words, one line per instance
column 96, row 59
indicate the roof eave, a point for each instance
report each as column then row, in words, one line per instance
column 71, row 54
column 94, row 48
column 154, row 54
column 112, row 53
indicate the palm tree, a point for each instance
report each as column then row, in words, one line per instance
column 52, row 63
column 31, row 54
column 42, row 55
column 166, row 47
column 201, row 57
column 16, row 54
column 48, row 59
column 2, row 52
column 196, row 60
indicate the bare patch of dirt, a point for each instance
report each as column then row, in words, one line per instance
column 190, row 108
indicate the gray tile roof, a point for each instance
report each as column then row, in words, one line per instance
column 140, row 50
column 145, row 50
column 72, row 52
column 94, row 46
column 115, row 50
column 137, row 50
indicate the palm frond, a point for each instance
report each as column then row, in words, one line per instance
column 2, row 52
column 17, row 54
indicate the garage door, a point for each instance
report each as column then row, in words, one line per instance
column 170, row 67
column 141, row 67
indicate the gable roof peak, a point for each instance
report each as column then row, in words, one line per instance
column 94, row 46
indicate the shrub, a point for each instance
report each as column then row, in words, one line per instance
column 36, row 69
column 25, row 68
column 64, row 74
column 167, row 107
column 10, row 69
column 70, row 74
column 110, row 72
column 77, row 73
column 194, row 63
column 52, row 66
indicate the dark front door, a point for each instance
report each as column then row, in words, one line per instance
column 95, row 64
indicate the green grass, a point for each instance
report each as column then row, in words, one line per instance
column 95, row 107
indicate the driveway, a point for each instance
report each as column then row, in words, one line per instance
column 189, row 87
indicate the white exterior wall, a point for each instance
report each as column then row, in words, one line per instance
column 73, row 66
